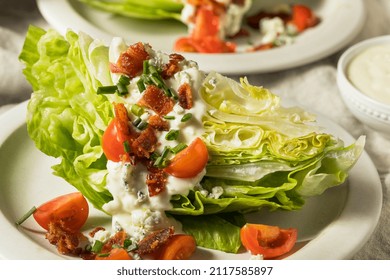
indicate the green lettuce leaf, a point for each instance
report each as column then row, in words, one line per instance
column 66, row 118
column 150, row 10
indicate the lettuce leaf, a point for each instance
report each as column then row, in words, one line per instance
column 66, row 118
column 150, row 10
column 262, row 154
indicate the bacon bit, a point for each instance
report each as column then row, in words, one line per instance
column 172, row 67
column 145, row 144
column 155, row 99
column 185, row 96
column 131, row 61
column 152, row 242
column 158, row 123
column 95, row 230
column 67, row 242
column 118, row 240
column 156, row 181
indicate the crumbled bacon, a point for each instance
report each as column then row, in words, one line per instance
column 155, row 99
column 67, row 241
column 145, row 143
column 154, row 241
column 172, row 67
column 131, row 61
column 117, row 240
column 95, row 230
column 158, row 123
column 156, row 181
column 185, row 96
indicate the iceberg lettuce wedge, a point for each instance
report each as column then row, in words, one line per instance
column 261, row 154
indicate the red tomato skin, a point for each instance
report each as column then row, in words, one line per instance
column 189, row 162
column 111, row 144
column 272, row 245
column 71, row 208
column 115, row 254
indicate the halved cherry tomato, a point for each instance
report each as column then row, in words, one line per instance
column 179, row 247
column 190, row 161
column 303, row 17
column 115, row 254
column 269, row 241
column 112, row 142
column 72, row 209
column 205, row 35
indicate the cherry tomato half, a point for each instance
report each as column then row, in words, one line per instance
column 112, row 142
column 269, row 241
column 72, row 209
column 115, row 254
column 179, row 247
column 190, row 161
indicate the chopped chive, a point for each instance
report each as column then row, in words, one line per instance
column 146, row 67
column 173, row 94
column 126, row 146
column 186, row 117
column 107, row 89
column 97, row 246
column 137, row 110
column 127, row 243
column 26, row 216
column 137, row 121
column 172, row 135
column 141, row 85
column 142, row 125
column 169, row 117
column 179, row 147
column 152, row 69
column 104, row 255
column 162, row 161
column 157, row 81
column 122, row 89
column 124, row 80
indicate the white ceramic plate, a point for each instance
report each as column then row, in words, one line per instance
column 341, row 21
column 334, row 225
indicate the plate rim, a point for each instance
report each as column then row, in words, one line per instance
column 61, row 15
column 14, row 118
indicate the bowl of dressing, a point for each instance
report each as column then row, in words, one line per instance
column 363, row 78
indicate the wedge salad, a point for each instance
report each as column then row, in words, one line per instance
column 221, row 26
column 169, row 152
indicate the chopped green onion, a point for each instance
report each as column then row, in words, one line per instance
column 104, row 255
column 157, row 81
column 169, row 117
column 107, row 89
column 137, row 121
column 97, row 246
column 124, row 80
column 26, row 216
column 179, row 147
column 137, row 110
column 186, row 117
column 142, row 125
column 172, row 135
column 126, row 146
column 173, row 94
column 141, row 85
column 162, row 161
column 146, row 67
column 127, row 243
column 152, row 69
column 122, row 89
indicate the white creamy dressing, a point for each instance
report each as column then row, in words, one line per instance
column 230, row 22
column 369, row 71
column 131, row 208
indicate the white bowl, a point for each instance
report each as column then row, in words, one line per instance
column 371, row 112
